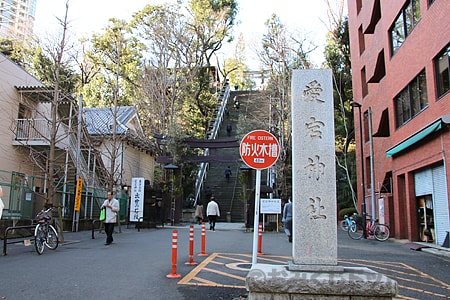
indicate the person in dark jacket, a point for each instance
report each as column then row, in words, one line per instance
column 229, row 129
column 287, row 220
column 228, row 173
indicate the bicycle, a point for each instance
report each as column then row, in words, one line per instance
column 348, row 223
column 45, row 234
column 374, row 229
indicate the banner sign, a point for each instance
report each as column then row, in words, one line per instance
column 78, row 192
column 137, row 199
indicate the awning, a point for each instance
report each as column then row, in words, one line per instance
column 435, row 126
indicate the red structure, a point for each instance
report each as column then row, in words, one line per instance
column 191, row 247
column 260, row 231
column 203, row 251
column 174, row 273
column 400, row 54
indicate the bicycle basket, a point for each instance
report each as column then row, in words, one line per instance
column 42, row 217
column 358, row 219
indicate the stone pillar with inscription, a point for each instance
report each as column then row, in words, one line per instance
column 314, row 272
column 314, row 172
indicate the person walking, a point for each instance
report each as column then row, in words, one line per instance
column 199, row 211
column 287, row 220
column 212, row 212
column 229, row 129
column 228, row 173
column 112, row 208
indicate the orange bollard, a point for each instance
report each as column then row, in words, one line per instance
column 203, row 240
column 260, row 240
column 191, row 247
column 174, row 256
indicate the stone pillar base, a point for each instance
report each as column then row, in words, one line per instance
column 275, row 282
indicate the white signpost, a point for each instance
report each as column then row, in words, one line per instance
column 137, row 199
column 259, row 149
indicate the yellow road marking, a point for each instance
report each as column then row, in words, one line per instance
column 207, row 282
column 428, row 276
column 232, row 258
column 197, row 269
column 273, row 260
column 416, row 281
column 225, row 274
column 424, row 291
column 236, row 266
column 396, row 271
column 404, row 297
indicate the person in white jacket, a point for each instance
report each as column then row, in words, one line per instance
column 212, row 212
column 1, row 202
column 112, row 207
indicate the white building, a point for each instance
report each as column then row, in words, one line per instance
column 17, row 18
column 25, row 135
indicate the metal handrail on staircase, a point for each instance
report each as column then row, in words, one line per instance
column 202, row 172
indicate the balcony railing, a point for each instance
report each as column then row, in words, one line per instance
column 33, row 130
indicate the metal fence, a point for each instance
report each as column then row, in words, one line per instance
column 24, row 197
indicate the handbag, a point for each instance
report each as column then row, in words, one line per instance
column 102, row 214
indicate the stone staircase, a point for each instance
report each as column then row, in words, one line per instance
column 252, row 114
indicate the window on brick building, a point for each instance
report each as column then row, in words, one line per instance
column 364, row 87
column 441, row 65
column 362, row 44
column 411, row 100
column 366, row 127
column 430, row 2
column 387, row 183
column 367, row 170
column 358, row 6
column 405, row 22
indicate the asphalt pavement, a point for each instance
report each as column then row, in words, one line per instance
column 136, row 265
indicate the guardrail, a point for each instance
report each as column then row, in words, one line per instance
column 93, row 227
column 5, row 237
column 201, row 175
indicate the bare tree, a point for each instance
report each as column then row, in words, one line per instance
column 280, row 53
column 51, row 116
column 337, row 54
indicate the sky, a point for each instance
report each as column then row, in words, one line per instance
column 90, row 16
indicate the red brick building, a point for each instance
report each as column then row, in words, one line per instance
column 400, row 53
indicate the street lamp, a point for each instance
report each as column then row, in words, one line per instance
column 172, row 202
column 363, row 202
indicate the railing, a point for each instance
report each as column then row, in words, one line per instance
column 33, row 129
column 201, row 175
column 5, row 236
column 39, row 130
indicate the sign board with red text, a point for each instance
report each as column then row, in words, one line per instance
column 259, row 149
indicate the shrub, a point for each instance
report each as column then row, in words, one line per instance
column 347, row 211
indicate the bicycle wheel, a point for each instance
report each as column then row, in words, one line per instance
column 381, row 232
column 39, row 239
column 52, row 238
column 344, row 225
column 356, row 232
